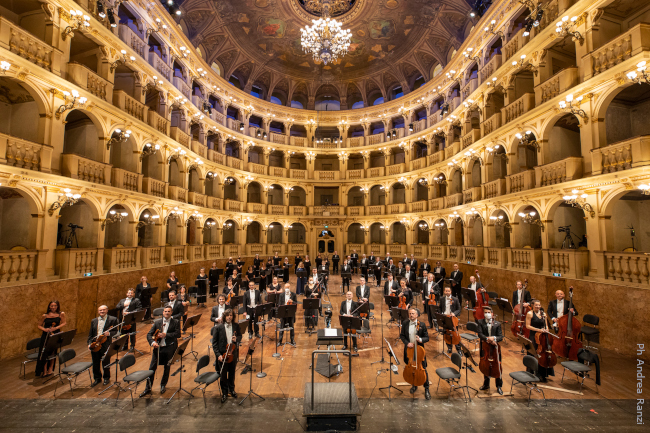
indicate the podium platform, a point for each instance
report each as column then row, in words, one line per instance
column 336, row 407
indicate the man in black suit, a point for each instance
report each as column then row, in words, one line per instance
column 252, row 299
column 364, row 264
column 287, row 322
column 164, row 347
column 335, row 262
column 405, row 260
column 426, row 266
column 129, row 305
column 391, row 268
column 439, row 272
column 372, row 259
column 409, row 274
column 559, row 307
column 473, row 286
column 355, row 260
column 413, row 263
column 224, row 334
column 324, row 273
column 345, row 269
column 178, row 310
column 449, row 305
column 414, row 332
column 217, row 311
column 457, row 283
column 377, row 268
column 490, row 330
column 518, row 293
column 363, row 291
column 390, row 285
column 430, row 286
column 98, row 326
column 425, row 277
column 349, row 308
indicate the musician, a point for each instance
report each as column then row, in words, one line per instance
column 257, row 262
column 138, row 289
column 129, row 305
column 516, row 295
column 390, row 286
column 363, row 264
column 439, row 272
column 355, row 260
column 250, row 274
column 50, row 323
column 388, row 258
column 559, row 307
column 177, row 306
column 263, row 276
column 301, row 281
column 296, row 261
column 230, row 265
column 399, row 272
column 378, row 266
column 172, row 281
column 391, row 268
column 169, row 331
column 473, row 286
column 323, row 273
column 214, row 280
column 235, row 277
column 425, row 277
column 218, row 310
column 319, row 260
column 363, row 291
column 98, row 326
column 535, row 323
column 335, row 262
column 406, row 292
column 348, row 308
column 409, row 275
column 346, row 269
column 276, row 259
column 240, row 265
column 275, row 287
column 405, row 260
column 224, row 334
column 413, row 263
column 490, row 330
column 307, row 264
column 449, row 305
column 287, row 322
column 414, row 332
column 252, row 299
column 201, row 292
column 285, row 270
column 456, row 284
column 311, row 315
column 185, row 300
column 372, row 257
column 430, row 286
column 426, row 266
column 230, row 288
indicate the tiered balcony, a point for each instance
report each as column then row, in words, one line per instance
column 326, row 175
column 567, row 263
column 326, row 211
column 174, row 254
column 78, row 167
column 452, row 149
column 623, row 47
column 163, row 68
column 470, row 138
column 494, row 189
column 376, row 171
column 29, row 47
column 624, row 155
column 418, row 206
column 392, row 209
column 472, row 194
column 212, row 252
column 453, row 200
column 177, row 134
column 75, row 262
column 122, row 259
column 154, row 187
column 516, row 42
column 126, row 180
column 298, row 174
column 558, row 172
column 19, row 267
column 155, row 120
column 497, row 257
column 492, row 124
column 214, row 203
column 232, row 205
column 395, row 169
column 489, row 68
column 436, row 203
column 258, row 208
column 134, row 41
column 474, row 255
column 197, row 199
column 375, row 210
column 182, row 87
column 276, row 138
column 520, row 182
column 624, row 267
column 130, row 106
column 525, row 259
column 455, row 253
column 194, row 253
column 522, row 105
column 83, row 77
column 557, row 84
column 151, row 257
column 199, row 148
column 277, row 209
column 257, row 168
column 21, row 153
column 177, row 193
column 354, row 174
column 298, row 210
column 354, row 211
column 437, row 157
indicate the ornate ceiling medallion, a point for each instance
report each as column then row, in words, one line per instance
column 337, row 7
column 325, row 39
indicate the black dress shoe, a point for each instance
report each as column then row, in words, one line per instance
column 257, row 336
column 106, row 381
column 250, row 336
column 485, row 387
column 95, row 383
column 345, row 348
column 427, row 394
column 413, row 389
column 355, row 349
column 500, row 391
column 448, row 350
column 278, row 344
column 146, row 392
column 224, row 398
column 162, row 389
column 234, row 394
column 293, row 342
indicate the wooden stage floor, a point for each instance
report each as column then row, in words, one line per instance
column 287, row 375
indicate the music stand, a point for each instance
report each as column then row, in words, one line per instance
column 147, row 293
column 283, row 312
column 131, row 319
column 55, row 344
column 469, row 294
column 189, row 323
column 258, row 312
column 201, row 292
column 392, row 302
column 447, row 326
column 311, row 304
column 114, row 349
column 391, row 357
column 178, row 356
column 245, row 324
column 364, row 271
column 468, row 356
column 400, row 316
column 345, row 275
column 506, row 307
column 349, row 323
column 416, row 288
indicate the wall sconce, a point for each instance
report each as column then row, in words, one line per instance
column 159, row 27
column 247, row 221
column 454, row 164
column 473, row 154
column 71, row 104
column 455, row 216
column 442, row 227
column 524, row 65
column 492, row 83
column 65, row 199
column 579, row 202
column 402, row 180
column 149, row 150
column 423, row 227
column 147, row 220
column 248, row 179
column 641, row 69
column 529, row 218
column 194, row 217
column 573, row 109
column 114, row 217
column 118, row 136
column 365, row 229
column 122, row 60
column 173, row 214
column 490, row 29
column 645, row 189
column 79, row 21
column 229, row 181
column 528, row 139
column 151, row 85
column 564, row 27
column 423, row 182
column 202, row 72
column 493, row 151
column 468, row 53
column 440, row 180
column 500, row 222
column 439, row 132
column 184, row 51
column 210, row 224
column 227, row 225
column 4, row 67
column 468, row 103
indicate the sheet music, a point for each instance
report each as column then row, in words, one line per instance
column 330, row 332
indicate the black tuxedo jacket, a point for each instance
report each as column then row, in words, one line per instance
column 177, row 310
column 442, row 273
column 515, row 297
column 392, row 269
column 365, row 293
column 220, row 339
column 135, row 305
column 247, row 298
column 404, row 336
column 345, row 269
column 457, row 276
column 483, row 331
column 353, row 306
column 110, row 322
column 412, row 276
column 173, row 333
column 414, row 265
column 426, row 267
column 282, row 298
column 552, row 308
column 214, row 314
column 393, row 286
column 372, row 259
column 336, row 258
column 426, row 287
column 454, row 307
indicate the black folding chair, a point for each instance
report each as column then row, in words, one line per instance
column 136, row 377
column 32, row 356
column 529, row 380
column 204, row 379
column 71, row 371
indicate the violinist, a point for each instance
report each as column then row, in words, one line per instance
column 311, row 291
column 449, row 305
column 428, row 288
column 98, row 326
column 163, row 347
column 218, row 310
column 252, row 299
column 535, row 323
column 414, row 332
column 559, row 307
column 405, row 291
column 335, row 262
column 363, row 291
column 287, row 295
column 177, row 306
column 230, row 288
column 390, row 286
column 409, row 275
column 129, row 305
column 224, row 334
column 348, row 308
column 516, row 295
column 346, row 269
column 490, row 330
column 473, row 286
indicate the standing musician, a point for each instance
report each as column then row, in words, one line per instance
column 363, row 264
column 391, row 268
column 355, row 260
column 169, row 331
column 177, row 306
column 218, row 310
column 363, row 291
column 285, row 270
column 252, row 299
column 439, row 272
column 413, row 263
column 50, row 323
column 222, row 335
column 172, row 281
column 414, row 332
column 230, row 265
column 146, row 303
column 323, row 271
column 346, row 269
column 430, row 287
column 409, row 275
column 406, row 291
column 235, row 277
column 296, row 261
column 98, row 326
column 399, row 272
column 388, row 258
column 559, row 307
column 535, row 323
column 276, row 259
column 230, row 288
column 372, row 257
column 378, row 265
column 490, row 330
column 257, row 262
column 287, row 322
column 516, row 295
column 390, row 286
column 405, row 260
column 129, row 305
column 348, row 308
column 311, row 292
column 275, row 287
column 426, row 266
column 319, row 260
column 201, row 292
column 214, row 280
column 335, row 262
column 457, row 281
column 184, row 298
column 449, row 305
column 473, row 286
column 425, row 277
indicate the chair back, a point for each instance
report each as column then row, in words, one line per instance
column 157, row 312
column 531, row 363
column 493, row 295
column 164, row 296
column 365, row 323
column 203, row 361
column 591, row 319
column 456, row 360
column 66, row 355
column 33, row 344
column 126, row 361
column 472, row 326
column 371, row 305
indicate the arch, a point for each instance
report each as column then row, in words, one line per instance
column 83, row 135
column 119, row 233
column 473, row 173
column 497, row 163
column 274, row 233
column 441, row 232
column 561, row 138
column 175, row 174
column 254, row 193
column 231, row 188
column 19, row 216
column 297, row 233
column 84, row 213
column 123, row 154
column 377, row 195
column 422, row 231
column 230, row 231
column 398, row 233
column 254, row 233
column 623, row 107
column 621, row 210
column 499, row 229
column 355, row 196
column 355, row 234
column 525, row 155
column 475, row 229
column 527, row 235
column 397, row 193
column 23, row 110
column 377, row 233
column 458, row 226
column 275, row 195
column 148, row 227
column 297, row 196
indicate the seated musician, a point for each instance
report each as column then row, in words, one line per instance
column 490, row 330
column 129, row 305
column 348, row 308
column 363, row 291
column 286, row 322
column 414, row 332
column 218, row 310
column 98, row 326
column 224, row 334
column 405, row 291
column 169, row 331
column 559, row 307
column 449, row 305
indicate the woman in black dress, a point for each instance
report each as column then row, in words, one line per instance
column 250, row 274
column 172, row 281
column 146, row 303
column 262, row 277
column 296, row 262
column 184, row 298
column 535, row 324
column 50, row 323
column 319, row 260
column 285, row 271
column 307, row 264
column 202, row 290
column 214, row 280
column 302, row 281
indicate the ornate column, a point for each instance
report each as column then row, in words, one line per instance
column 310, row 157
column 287, row 130
column 343, row 159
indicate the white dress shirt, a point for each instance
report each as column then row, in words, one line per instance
column 348, row 306
column 228, row 327
column 101, row 321
column 560, row 308
column 164, row 331
column 413, row 332
column 252, row 296
column 448, row 305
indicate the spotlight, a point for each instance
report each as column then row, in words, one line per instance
column 410, row 127
column 241, row 127
column 259, row 133
column 100, row 9
column 111, row 17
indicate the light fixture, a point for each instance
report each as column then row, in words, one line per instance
column 70, row 103
column 454, row 164
column 114, row 217
column 4, row 67
column 492, row 83
column 173, row 214
column 641, row 69
column 440, row 180
column 470, row 55
column 118, row 136
column 325, row 39
column 490, row 28
column 455, row 216
column 473, row 213
column 573, row 109
column 147, row 220
column 529, row 218
column 65, row 199
column 79, row 21
column 524, row 65
column 500, row 222
column 423, row 227
column 580, row 202
column 194, row 217
column 151, row 85
column 567, row 27
column 423, row 182
column 528, row 139
column 402, row 180
column 111, row 18
column 159, row 27
column 227, row 225
column 441, row 226
column 121, row 60
column 210, row 224
column 229, row 181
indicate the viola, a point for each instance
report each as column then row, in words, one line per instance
column 432, row 299
column 231, row 294
column 566, row 345
column 482, row 300
column 453, row 337
column 96, row 345
column 519, row 312
column 230, row 352
column 490, row 364
column 545, row 355
column 402, row 302
column 414, row 372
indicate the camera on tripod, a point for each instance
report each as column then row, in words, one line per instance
column 74, row 227
column 328, row 317
column 72, row 235
column 564, row 229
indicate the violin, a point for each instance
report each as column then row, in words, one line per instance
column 545, row 355
column 230, row 352
column 231, row 294
column 490, row 364
column 482, row 300
column 566, row 345
column 402, row 302
column 519, row 312
column 96, row 345
column 414, row 372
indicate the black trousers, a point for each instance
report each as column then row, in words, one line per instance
column 346, row 282
column 455, row 291
column 165, row 356
column 99, row 365
column 378, row 278
column 457, row 348
column 486, row 381
column 286, row 322
column 335, row 266
column 256, row 327
column 227, row 375
column 354, row 341
column 131, row 337
column 431, row 318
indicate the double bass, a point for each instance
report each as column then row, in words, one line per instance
column 482, row 300
column 545, row 355
column 453, row 337
column 566, row 344
column 490, row 364
column 519, row 312
column 414, row 372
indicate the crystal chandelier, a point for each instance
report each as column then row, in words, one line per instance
column 325, row 40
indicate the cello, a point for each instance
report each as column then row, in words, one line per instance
column 490, row 364
column 519, row 315
column 414, row 372
column 482, row 300
column 545, row 355
column 565, row 344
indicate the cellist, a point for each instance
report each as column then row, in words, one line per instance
column 414, row 332
column 535, row 323
column 517, row 294
column 490, row 330
column 473, row 286
column 449, row 305
column 559, row 307
column 222, row 335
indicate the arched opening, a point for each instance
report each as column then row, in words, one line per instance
column 475, row 174
column 192, row 225
column 377, row 234
column 229, row 232
column 421, row 190
column 459, row 231
column 397, row 193
column 475, row 228
column 232, row 149
column 326, row 163
column 497, row 166
column 175, row 173
column 274, row 233
column 152, row 166
column 212, row 187
column 529, row 229
column 327, row 98
column 355, row 234
column 440, row 232
column 230, row 189
column 254, row 193
column 355, row 162
column 147, row 228
column 297, row 162
column 626, row 227
column 526, row 153
column 439, row 186
column 82, row 216
column 20, row 114
column 627, row 115
column 296, row 234
column 194, row 181
column 18, row 221
column 355, row 196
column 298, row 131
column 499, row 230
column 564, row 139
column 377, row 196
column 123, row 155
column 377, row 160
column 456, row 185
column 398, row 233
column 276, row 159
column 568, row 226
column 254, row 233
column 276, row 195
column 297, row 196
column 81, row 137
column 210, row 232
column 118, row 232
column 422, row 230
